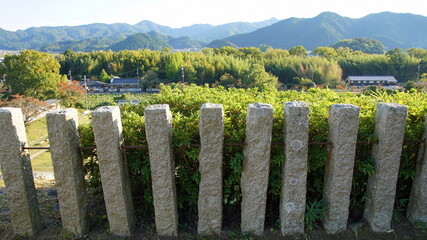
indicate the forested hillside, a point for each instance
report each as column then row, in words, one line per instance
column 38, row 37
column 392, row 29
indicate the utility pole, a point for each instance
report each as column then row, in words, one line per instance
column 86, row 92
column 418, row 73
column 312, row 74
column 182, row 72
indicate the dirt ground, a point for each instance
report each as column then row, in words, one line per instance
column 402, row 230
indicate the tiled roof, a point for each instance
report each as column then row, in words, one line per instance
column 389, row 79
column 115, row 81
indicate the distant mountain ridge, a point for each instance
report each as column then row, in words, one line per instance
column 392, row 29
column 151, row 40
column 36, row 37
column 154, row 41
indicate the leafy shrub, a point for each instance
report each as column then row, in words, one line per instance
column 185, row 103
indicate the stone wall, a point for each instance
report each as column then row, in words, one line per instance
column 343, row 130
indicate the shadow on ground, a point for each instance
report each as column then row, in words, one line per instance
column 49, row 208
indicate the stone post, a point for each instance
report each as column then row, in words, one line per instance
column 68, row 169
column 256, row 166
column 211, row 128
column 18, row 176
column 343, row 128
column 294, row 172
column 417, row 207
column 107, row 128
column 158, row 127
column 389, row 129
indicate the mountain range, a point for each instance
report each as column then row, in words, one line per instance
column 37, row 37
column 392, row 29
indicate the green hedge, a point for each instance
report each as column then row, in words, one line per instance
column 185, row 103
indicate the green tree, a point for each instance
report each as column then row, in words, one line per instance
column 150, row 80
column 344, row 51
column 399, row 60
column 327, row 52
column 423, row 78
column 251, row 52
column 33, row 74
column 410, row 85
column 417, row 52
column 365, row 45
column 229, row 81
column 258, row 77
column 264, row 47
column 275, row 53
column 298, row 51
column 228, row 51
column 103, row 76
column 173, row 64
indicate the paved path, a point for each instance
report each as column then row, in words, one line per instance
column 43, row 175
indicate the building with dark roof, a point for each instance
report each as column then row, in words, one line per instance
column 125, row 85
column 94, row 86
column 371, row 80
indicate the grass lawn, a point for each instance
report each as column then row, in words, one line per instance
column 42, row 162
column 36, row 130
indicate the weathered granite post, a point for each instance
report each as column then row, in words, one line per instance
column 294, row 172
column 211, row 128
column 158, row 127
column 18, row 176
column 343, row 128
column 256, row 165
column 68, row 169
column 417, row 207
column 381, row 190
column 107, row 128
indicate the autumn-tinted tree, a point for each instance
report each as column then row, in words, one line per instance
column 31, row 107
column 70, row 93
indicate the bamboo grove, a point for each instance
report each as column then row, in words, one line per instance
column 244, row 67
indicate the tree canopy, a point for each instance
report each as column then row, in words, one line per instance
column 298, row 51
column 32, row 74
column 365, row 45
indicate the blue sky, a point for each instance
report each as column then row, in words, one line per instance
column 22, row 14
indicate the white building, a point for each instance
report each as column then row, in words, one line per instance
column 371, row 80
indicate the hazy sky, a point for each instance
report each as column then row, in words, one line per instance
column 22, row 14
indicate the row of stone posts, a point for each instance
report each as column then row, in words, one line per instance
column 343, row 128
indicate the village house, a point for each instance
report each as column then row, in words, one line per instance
column 125, row 85
column 94, row 86
column 371, row 80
